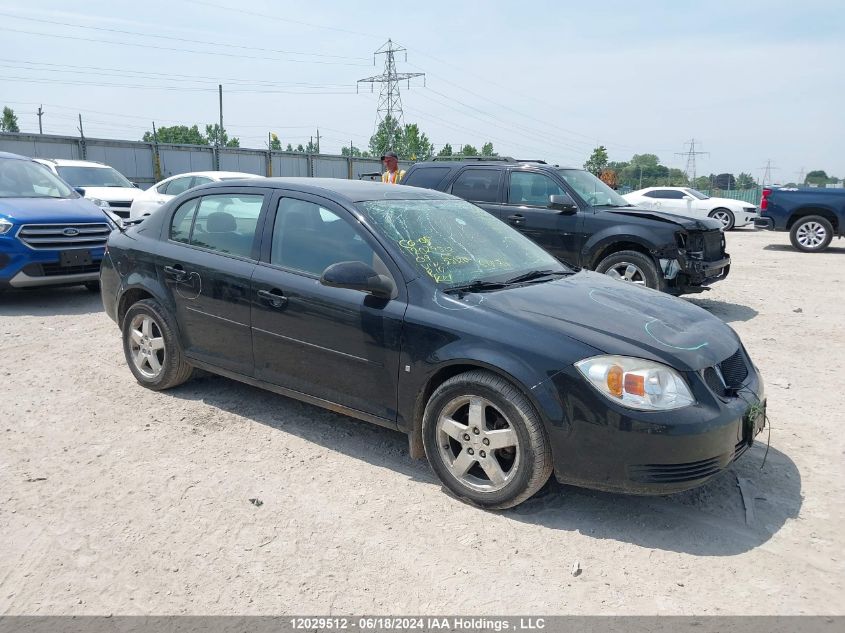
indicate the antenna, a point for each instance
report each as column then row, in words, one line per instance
column 389, row 100
column 691, row 154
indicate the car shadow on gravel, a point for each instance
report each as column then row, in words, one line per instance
column 737, row 511
column 728, row 312
column 711, row 520
column 788, row 247
column 50, row 302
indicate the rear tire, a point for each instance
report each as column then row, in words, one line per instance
column 632, row 267
column 725, row 216
column 151, row 347
column 811, row 234
column 485, row 440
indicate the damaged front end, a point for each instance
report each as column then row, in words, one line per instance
column 697, row 260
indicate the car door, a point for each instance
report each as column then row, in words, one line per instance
column 334, row 344
column 213, row 246
column 526, row 208
column 671, row 200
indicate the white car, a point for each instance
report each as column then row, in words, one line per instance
column 103, row 185
column 689, row 202
column 161, row 192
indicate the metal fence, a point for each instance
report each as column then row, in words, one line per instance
column 752, row 196
column 136, row 159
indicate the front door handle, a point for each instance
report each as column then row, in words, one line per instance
column 274, row 298
column 517, row 218
column 175, row 272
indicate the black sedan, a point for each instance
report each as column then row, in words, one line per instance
column 420, row 312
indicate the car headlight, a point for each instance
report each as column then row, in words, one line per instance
column 637, row 383
column 100, row 203
column 5, row 226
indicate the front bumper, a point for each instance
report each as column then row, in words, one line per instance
column 697, row 275
column 27, row 268
column 607, row 447
column 761, row 222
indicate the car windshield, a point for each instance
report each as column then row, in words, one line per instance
column 591, row 189
column 455, row 242
column 93, row 177
column 26, row 179
column 697, row 194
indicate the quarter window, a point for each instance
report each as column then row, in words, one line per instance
column 532, row 189
column 479, row 185
column 183, row 219
column 427, row 177
column 310, row 238
column 227, row 223
column 177, row 186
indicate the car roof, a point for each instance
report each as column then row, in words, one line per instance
column 492, row 163
column 64, row 162
column 350, row 190
column 11, row 156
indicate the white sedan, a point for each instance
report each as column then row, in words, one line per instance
column 689, row 202
column 151, row 199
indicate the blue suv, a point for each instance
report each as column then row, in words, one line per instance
column 49, row 234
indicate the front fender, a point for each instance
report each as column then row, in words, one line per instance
column 597, row 244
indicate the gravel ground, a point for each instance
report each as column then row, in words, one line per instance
column 115, row 499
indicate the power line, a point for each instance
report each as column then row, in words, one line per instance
column 389, row 107
column 690, row 156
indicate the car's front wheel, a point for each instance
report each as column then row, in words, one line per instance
column 151, row 348
column 725, row 216
column 485, row 441
column 632, row 267
column 811, row 234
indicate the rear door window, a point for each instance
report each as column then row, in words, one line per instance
column 178, row 185
column 227, row 223
column 478, row 185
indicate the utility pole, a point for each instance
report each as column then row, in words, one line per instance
column 156, row 156
column 389, row 100
column 641, row 177
column 40, row 114
column 801, row 176
column 219, row 139
column 318, row 140
column 82, row 140
column 690, row 155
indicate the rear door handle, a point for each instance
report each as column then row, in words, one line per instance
column 175, row 272
column 517, row 218
column 274, row 298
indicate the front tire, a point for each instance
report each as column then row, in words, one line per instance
column 485, row 440
column 632, row 267
column 151, row 348
column 725, row 216
column 811, row 234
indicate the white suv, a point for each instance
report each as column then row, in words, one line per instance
column 103, row 185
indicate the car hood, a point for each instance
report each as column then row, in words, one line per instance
column 50, row 210
column 112, row 193
column 618, row 318
column 686, row 222
column 729, row 202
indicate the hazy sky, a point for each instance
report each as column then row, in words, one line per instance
column 750, row 81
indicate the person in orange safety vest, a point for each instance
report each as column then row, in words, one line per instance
column 393, row 174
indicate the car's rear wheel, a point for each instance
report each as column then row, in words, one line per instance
column 151, row 348
column 725, row 216
column 632, row 267
column 811, row 234
column 485, row 441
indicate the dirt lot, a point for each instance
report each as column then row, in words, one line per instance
column 115, row 499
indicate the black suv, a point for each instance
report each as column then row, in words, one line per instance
column 583, row 222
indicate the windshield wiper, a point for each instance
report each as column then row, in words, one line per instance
column 476, row 285
column 535, row 274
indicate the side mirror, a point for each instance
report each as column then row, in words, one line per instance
column 80, row 191
column 358, row 276
column 687, row 198
column 563, row 203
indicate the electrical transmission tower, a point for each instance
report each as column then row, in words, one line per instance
column 690, row 155
column 767, row 172
column 389, row 99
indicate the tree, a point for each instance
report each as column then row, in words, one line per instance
column 487, row 149
column 388, row 137
column 725, row 181
column 350, row 151
column 300, row 149
column 177, row 134
column 745, row 181
column 446, row 150
column 9, row 122
column 414, row 144
column 289, row 148
column 598, row 161
column 216, row 136
column 275, row 143
column 468, row 150
column 311, row 147
column 702, row 182
column 815, row 177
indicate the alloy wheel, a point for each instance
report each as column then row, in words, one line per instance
column 478, row 444
column 146, row 345
column 724, row 217
column 626, row 271
column 811, row 234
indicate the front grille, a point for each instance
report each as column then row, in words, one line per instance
column 53, row 270
column 64, row 236
column 740, row 448
column 734, row 370
column 714, row 245
column 676, row 473
column 711, row 377
column 123, row 204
